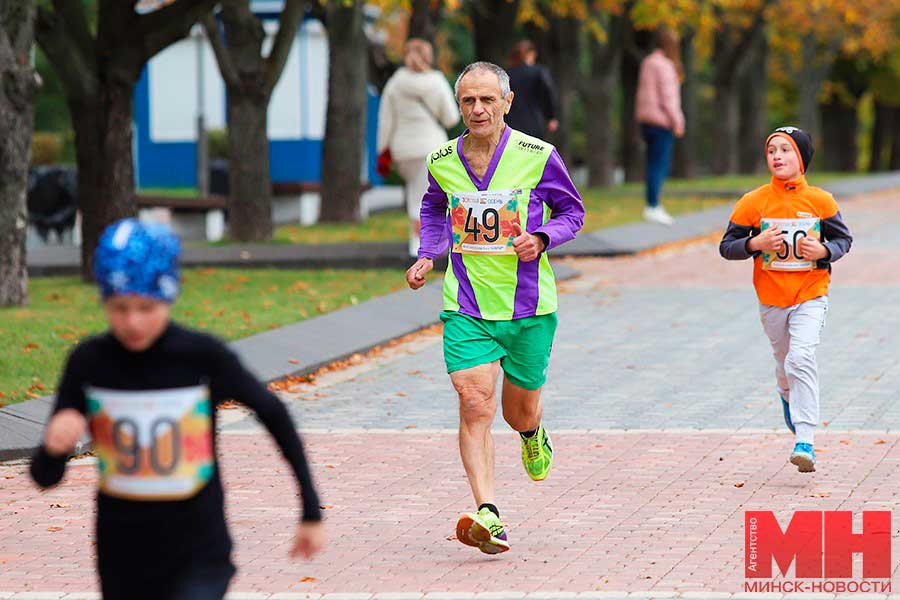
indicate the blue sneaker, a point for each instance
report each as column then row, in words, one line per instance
column 804, row 457
column 787, row 414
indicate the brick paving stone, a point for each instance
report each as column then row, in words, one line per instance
column 613, row 486
column 661, row 404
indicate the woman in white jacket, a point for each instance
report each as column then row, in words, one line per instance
column 416, row 106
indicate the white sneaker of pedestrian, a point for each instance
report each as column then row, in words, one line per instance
column 659, row 215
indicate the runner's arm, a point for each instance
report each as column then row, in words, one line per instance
column 232, row 380
column 433, row 234
column 48, row 469
column 836, row 238
column 735, row 242
column 567, row 209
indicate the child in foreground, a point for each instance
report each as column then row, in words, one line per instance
column 793, row 232
column 148, row 390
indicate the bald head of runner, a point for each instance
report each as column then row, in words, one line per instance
column 484, row 98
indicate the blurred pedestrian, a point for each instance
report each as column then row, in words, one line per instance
column 658, row 110
column 417, row 105
column 534, row 111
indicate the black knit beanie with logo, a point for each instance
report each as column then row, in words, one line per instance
column 802, row 143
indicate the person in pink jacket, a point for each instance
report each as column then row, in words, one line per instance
column 658, row 110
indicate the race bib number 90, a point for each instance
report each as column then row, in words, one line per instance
column 483, row 221
column 790, row 257
column 152, row 445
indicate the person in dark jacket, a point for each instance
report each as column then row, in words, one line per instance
column 535, row 107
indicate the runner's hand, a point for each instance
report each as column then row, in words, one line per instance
column 528, row 247
column 770, row 240
column 65, row 429
column 415, row 276
column 813, row 249
column 308, row 540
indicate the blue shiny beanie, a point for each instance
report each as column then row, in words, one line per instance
column 138, row 258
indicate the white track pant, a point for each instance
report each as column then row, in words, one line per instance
column 415, row 176
column 794, row 333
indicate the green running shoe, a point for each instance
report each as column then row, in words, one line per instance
column 537, row 454
column 483, row 529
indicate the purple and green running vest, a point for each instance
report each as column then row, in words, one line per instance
column 499, row 288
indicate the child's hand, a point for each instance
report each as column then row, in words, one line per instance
column 813, row 249
column 65, row 429
column 770, row 240
column 308, row 540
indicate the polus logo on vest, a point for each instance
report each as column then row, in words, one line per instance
column 822, row 548
column 441, row 154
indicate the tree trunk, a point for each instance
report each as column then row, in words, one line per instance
column 601, row 139
column 342, row 155
column 249, row 188
column 753, row 119
column 103, row 143
column 894, row 162
column 421, row 21
column 850, row 78
column 881, row 136
column 725, row 103
column 250, row 205
column 724, row 159
column 249, row 79
column 564, row 46
column 631, row 144
column 839, row 128
column 99, row 71
column 815, row 65
column 598, row 94
column 17, row 91
column 732, row 46
column 683, row 160
column 494, row 28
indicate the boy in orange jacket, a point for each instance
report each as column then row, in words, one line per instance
column 793, row 232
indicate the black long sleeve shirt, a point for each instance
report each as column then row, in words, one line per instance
column 535, row 100
column 168, row 534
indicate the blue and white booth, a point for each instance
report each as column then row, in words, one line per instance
column 184, row 80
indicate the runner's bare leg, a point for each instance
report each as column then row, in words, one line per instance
column 477, row 407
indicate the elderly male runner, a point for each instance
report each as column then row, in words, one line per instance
column 499, row 199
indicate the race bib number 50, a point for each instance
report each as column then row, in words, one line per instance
column 152, row 445
column 483, row 221
column 790, row 257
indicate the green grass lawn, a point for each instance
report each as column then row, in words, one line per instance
column 606, row 207
column 184, row 192
column 232, row 304
column 603, row 209
column 385, row 226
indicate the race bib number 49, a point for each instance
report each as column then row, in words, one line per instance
column 152, row 445
column 483, row 221
column 790, row 257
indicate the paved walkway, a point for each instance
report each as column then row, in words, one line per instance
column 613, row 241
column 662, row 408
